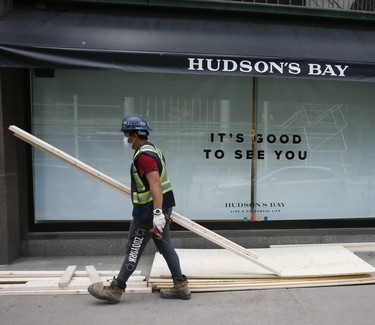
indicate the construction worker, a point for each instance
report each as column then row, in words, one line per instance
column 153, row 200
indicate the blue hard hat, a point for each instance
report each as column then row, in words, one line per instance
column 134, row 122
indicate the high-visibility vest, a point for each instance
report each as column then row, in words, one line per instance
column 141, row 194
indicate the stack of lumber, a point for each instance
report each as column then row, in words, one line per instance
column 300, row 266
column 69, row 281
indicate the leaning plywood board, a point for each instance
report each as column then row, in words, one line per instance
column 307, row 261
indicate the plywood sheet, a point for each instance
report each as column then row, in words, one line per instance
column 353, row 247
column 300, row 261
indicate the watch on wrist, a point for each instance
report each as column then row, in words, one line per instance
column 158, row 211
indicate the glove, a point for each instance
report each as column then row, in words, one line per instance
column 159, row 220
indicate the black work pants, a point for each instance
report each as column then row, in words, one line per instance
column 139, row 236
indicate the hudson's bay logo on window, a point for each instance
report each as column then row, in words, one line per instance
column 264, row 205
column 255, row 211
column 267, row 67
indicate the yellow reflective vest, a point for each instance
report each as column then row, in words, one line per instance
column 141, row 194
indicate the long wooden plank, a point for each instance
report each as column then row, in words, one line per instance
column 17, row 274
column 72, row 281
column 67, row 290
column 179, row 219
column 55, row 274
column 54, row 291
column 53, row 284
column 78, row 283
column 43, row 292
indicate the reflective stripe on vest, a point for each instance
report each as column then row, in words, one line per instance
column 142, row 195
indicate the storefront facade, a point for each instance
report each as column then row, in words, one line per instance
column 266, row 121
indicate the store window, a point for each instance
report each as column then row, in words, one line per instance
column 318, row 149
column 236, row 148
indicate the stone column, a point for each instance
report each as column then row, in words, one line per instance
column 13, row 178
column 5, row 6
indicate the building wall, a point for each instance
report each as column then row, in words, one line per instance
column 13, row 184
column 4, row 7
column 16, row 197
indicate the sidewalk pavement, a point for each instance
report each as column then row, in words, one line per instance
column 344, row 305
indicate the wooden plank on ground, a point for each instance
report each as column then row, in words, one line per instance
column 67, row 276
column 94, row 276
column 67, row 291
column 55, row 274
column 45, row 284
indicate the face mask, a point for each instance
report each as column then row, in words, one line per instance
column 128, row 145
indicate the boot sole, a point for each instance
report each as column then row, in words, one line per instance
column 187, row 297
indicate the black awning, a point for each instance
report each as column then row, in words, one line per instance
column 185, row 43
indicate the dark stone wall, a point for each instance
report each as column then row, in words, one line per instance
column 5, row 7
column 13, row 163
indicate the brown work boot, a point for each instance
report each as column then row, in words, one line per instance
column 179, row 291
column 111, row 293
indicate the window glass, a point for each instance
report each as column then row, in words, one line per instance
column 318, row 144
column 308, row 155
column 194, row 119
